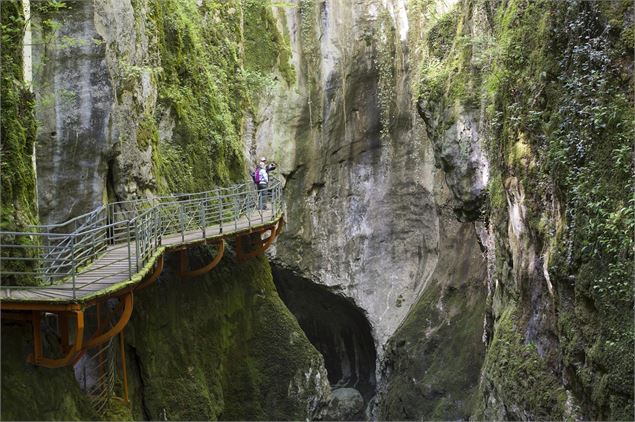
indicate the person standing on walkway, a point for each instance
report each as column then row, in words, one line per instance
column 263, row 182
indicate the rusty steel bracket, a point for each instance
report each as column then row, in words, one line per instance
column 183, row 271
column 37, row 357
column 153, row 277
column 261, row 247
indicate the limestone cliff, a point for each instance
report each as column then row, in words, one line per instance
column 134, row 99
column 459, row 200
column 355, row 158
column 543, row 91
column 519, row 152
column 371, row 216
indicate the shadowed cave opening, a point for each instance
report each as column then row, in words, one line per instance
column 336, row 327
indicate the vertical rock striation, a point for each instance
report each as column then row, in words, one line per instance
column 370, row 214
column 544, row 87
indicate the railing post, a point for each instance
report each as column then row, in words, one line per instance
column 157, row 218
column 136, row 241
column 203, row 223
column 220, row 214
column 73, row 263
column 129, row 255
column 182, row 222
column 235, row 216
column 110, row 237
column 273, row 202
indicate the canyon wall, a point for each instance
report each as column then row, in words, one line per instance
column 516, row 168
column 458, row 181
column 135, row 99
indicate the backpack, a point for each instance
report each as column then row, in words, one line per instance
column 257, row 176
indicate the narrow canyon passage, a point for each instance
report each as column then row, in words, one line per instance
column 336, row 327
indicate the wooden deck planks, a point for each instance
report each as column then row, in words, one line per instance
column 112, row 267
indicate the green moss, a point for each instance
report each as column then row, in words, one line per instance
column 265, row 47
column 34, row 393
column 221, row 346
column 452, row 78
column 147, row 132
column 214, row 61
column 18, row 207
column 496, row 192
column 201, row 83
column 442, row 35
column 521, row 378
column 557, row 92
column 435, row 357
column 563, row 91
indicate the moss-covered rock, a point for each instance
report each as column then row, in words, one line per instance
column 33, row 393
column 432, row 363
column 202, row 85
column 221, row 346
column 18, row 207
column 17, row 124
column 553, row 85
column 434, row 360
column 527, row 389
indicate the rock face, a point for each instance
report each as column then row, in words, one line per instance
column 18, row 205
column 121, row 112
column 34, row 393
column 458, row 240
column 550, row 326
column 346, row 404
column 368, row 208
column 222, row 347
column 74, row 106
column 135, row 98
column 351, row 147
column 502, row 145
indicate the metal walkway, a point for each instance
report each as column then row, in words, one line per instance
column 115, row 246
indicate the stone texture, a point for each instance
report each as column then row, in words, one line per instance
column 352, row 153
column 74, row 99
column 369, row 209
column 346, row 404
column 221, row 347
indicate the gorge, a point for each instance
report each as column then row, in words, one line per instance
column 458, row 188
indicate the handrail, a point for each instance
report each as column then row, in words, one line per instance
column 138, row 226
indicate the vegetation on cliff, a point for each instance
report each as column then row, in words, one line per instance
column 34, row 393
column 201, row 83
column 566, row 98
column 17, row 133
column 433, row 361
column 553, row 84
column 222, row 346
column 213, row 59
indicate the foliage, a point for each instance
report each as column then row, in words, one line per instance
column 17, row 131
column 520, row 375
column 554, row 81
column 558, row 90
column 202, row 83
column 266, row 49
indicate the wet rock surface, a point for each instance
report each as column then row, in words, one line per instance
column 336, row 327
column 346, row 404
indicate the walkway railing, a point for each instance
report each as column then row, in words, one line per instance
column 55, row 255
